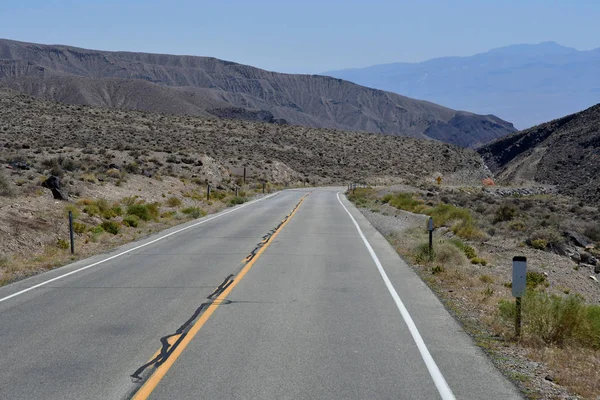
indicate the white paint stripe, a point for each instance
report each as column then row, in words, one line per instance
column 135, row 248
column 434, row 371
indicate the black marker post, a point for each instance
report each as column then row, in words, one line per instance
column 430, row 229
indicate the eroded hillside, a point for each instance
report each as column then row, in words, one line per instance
column 207, row 86
column 564, row 152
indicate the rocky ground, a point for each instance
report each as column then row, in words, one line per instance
column 96, row 139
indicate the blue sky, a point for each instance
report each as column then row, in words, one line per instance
column 305, row 36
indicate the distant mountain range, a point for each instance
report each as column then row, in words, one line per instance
column 564, row 152
column 206, row 86
column 526, row 84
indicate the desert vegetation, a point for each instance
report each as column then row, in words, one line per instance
column 478, row 231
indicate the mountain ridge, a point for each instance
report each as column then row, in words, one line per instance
column 527, row 84
column 207, row 86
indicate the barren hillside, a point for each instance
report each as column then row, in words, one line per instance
column 564, row 152
column 33, row 130
column 207, row 86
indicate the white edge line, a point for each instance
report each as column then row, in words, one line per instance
column 434, row 371
column 135, row 248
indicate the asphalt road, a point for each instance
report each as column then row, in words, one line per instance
column 311, row 315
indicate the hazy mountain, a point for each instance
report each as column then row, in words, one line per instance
column 208, row 86
column 564, row 152
column 526, row 84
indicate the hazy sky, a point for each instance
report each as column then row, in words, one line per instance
column 305, row 36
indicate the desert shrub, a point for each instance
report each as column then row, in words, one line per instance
column 556, row 320
column 102, row 204
column 468, row 250
column 62, row 244
column 168, row 214
column 70, row 165
column 505, row 212
column 173, row 201
column 217, row 195
column 79, row 227
column 73, row 209
column 108, row 214
column 405, row 201
column 91, row 178
column 359, row 196
column 85, row 202
column 423, row 254
column 92, row 210
column 386, row 199
column 539, row 244
column 448, row 254
column 550, row 236
column 117, row 210
column 139, row 210
column 443, row 213
column 113, row 173
column 534, row 279
column 5, row 187
column 154, row 209
column 478, row 260
column 131, row 220
column 194, row 212
column 517, row 226
column 132, row 168
column 97, row 230
column 129, row 201
column 438, row 269
column 467, row 230
column 111, row 227
column 592, row 231
column 486, row 279
column 237, row 200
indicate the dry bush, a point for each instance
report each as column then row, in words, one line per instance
column 5, row 186
column 448, row 254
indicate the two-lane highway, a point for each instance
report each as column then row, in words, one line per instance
column 310, row 315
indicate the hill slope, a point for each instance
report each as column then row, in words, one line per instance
column 526, row 84
column 205, row 86
column 33, row 130
column 564, row 152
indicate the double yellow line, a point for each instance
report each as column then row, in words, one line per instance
column 149, row 386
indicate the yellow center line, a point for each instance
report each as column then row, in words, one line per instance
column 149, row 386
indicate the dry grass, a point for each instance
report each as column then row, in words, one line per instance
column 574, row 368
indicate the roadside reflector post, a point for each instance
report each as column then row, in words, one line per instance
column 244, row 175
column 71, row 232
column 519, row 286
column 264, row 186
column 236, row 191
column 430, row 229
column 208, row 192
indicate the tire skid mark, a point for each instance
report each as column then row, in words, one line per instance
column 170, row 342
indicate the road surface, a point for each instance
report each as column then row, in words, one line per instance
column 289, row 297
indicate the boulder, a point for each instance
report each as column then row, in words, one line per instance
column 53, row 183
column 588, row 258
column 577, row 239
